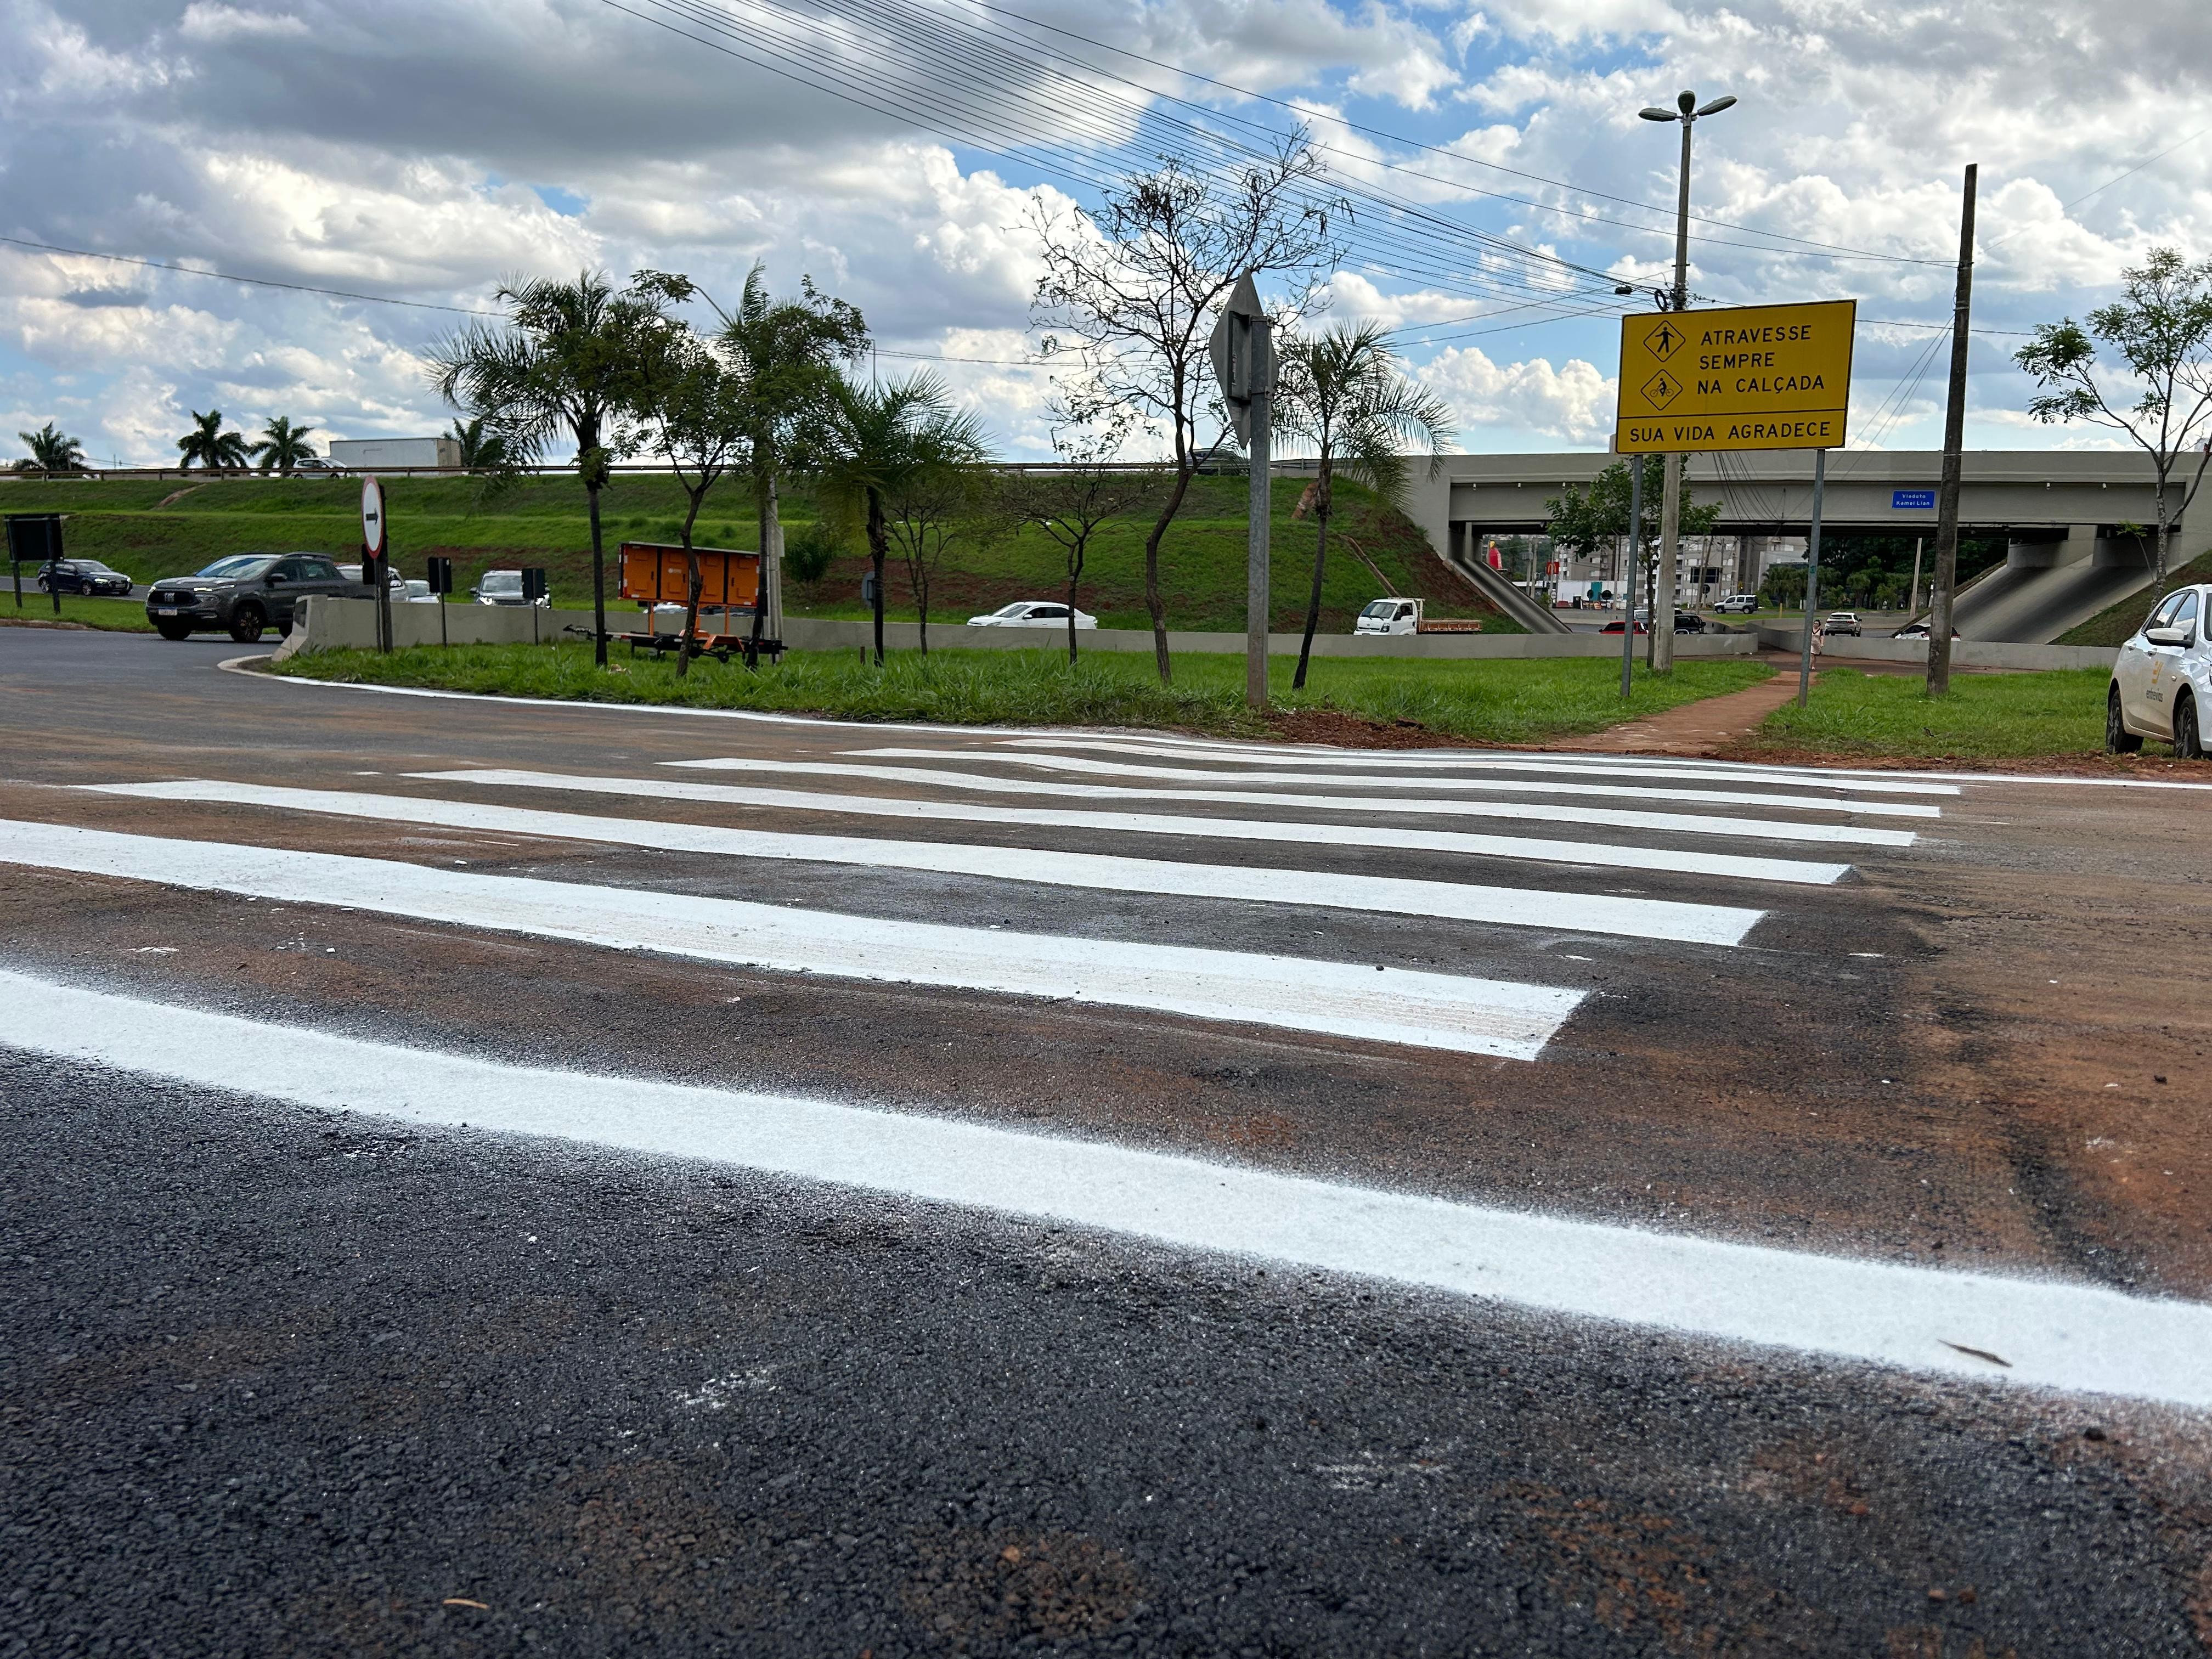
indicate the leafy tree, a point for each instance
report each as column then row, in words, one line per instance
column 211, row 446
column 2161, row 328
column 559, row 367
column 1783, row 588
column 929, row 508
column 52, row 450
column 1072, row 502
column 692, row 399
column 788, row 354
column 1343, row 393
column 481, row 451
column 282, row 446
column 874, row 443
column 1132, row 288
column 808, row 555
column 1583, row 521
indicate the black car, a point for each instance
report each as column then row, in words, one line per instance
column 82, row 576
column 243, row 594
column 1689, row 621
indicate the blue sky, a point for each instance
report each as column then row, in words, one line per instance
column 417, row 153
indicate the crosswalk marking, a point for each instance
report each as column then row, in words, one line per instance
column 1460, row 1013
column 1610, row 817
column 1465, row 786
column 1459, row 760
column 1563, row 912
column 1578, row 852
column 2051, row 1335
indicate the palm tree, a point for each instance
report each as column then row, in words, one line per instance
column 282, row 446
column 51, row 451
column 481, row 451
column 788, row 354
column 558, row 368
column 1342, row 392
column 208, row 443
column 877, row 442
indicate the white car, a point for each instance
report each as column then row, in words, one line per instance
column 1032, row 613
column 1736, row 605
column 2162, row 682
column 418, row 592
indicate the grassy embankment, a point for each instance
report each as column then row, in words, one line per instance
column 2115, row 624
column 1496, row 701
column 1985, row 717
column 150, row 528
column 119, row 615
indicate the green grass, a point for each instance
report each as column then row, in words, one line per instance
column 1986, row 716
column 2115, row 624
column 1499, row 702
column 119, row 616
column 151, row 528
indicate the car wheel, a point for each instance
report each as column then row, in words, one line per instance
column 2188, row 741
column 2118, row 740
column 246, row 624
column 169, row 631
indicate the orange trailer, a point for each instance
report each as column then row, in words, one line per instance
column 655, row 574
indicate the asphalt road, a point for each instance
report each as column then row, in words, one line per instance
column 839, row 1201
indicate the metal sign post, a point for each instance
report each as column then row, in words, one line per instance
column 1244, row 351
column 376, row 559
column 1812, row 578
column 1635, row 559
column 441, row 583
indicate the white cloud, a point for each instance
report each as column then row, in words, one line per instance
column 1573, row 403
column 203, row 20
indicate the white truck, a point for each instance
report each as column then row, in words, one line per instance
column 1410, row 616
column 393, row 454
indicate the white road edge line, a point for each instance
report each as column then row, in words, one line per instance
column 1750, row 769
column 2050, row 1334
column 1611, row 817
column 1463, row 1014
column 1080, row 763
column 1578, row 854
column 1510, row 906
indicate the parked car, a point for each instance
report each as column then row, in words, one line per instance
column 2162, row 682
column 504, row 587
column 82, row 576
column 1689, row 621
column 1032, row 613
column 1642, row 627
column 1737, row 604
column 243, row 594
column 418, row 592
column 1841, row 622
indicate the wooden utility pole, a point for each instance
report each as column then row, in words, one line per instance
column 1954, row 433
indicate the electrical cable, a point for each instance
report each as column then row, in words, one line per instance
column 256, row 281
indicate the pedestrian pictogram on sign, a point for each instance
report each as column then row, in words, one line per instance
column 1746, row 377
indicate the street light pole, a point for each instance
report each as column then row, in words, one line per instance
column 1686, row 111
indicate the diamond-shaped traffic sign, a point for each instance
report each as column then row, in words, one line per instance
column 1662, row 389
column 1664, row 341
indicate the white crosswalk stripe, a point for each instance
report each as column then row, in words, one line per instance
column 1464, row 785
column 1578, row 852
column 1433, row 1011
column 1610, row 817
column 1454, row 761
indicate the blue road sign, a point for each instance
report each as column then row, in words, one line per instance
column 1912, row 501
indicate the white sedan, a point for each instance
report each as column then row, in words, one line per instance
column 2162, row 682
column 1032, row 613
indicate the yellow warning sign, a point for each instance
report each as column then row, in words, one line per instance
column 1749, row 377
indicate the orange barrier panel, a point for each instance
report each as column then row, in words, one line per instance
column 655, row 574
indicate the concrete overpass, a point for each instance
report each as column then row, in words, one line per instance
column 2065, row 514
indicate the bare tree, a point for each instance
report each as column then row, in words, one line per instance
column 930, row 507
column 1130, row 289
column 1343, row 392
column 1071, row 504
column 697, row 416
column 2162, row 329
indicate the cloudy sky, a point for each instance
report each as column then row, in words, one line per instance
column 421, row 151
